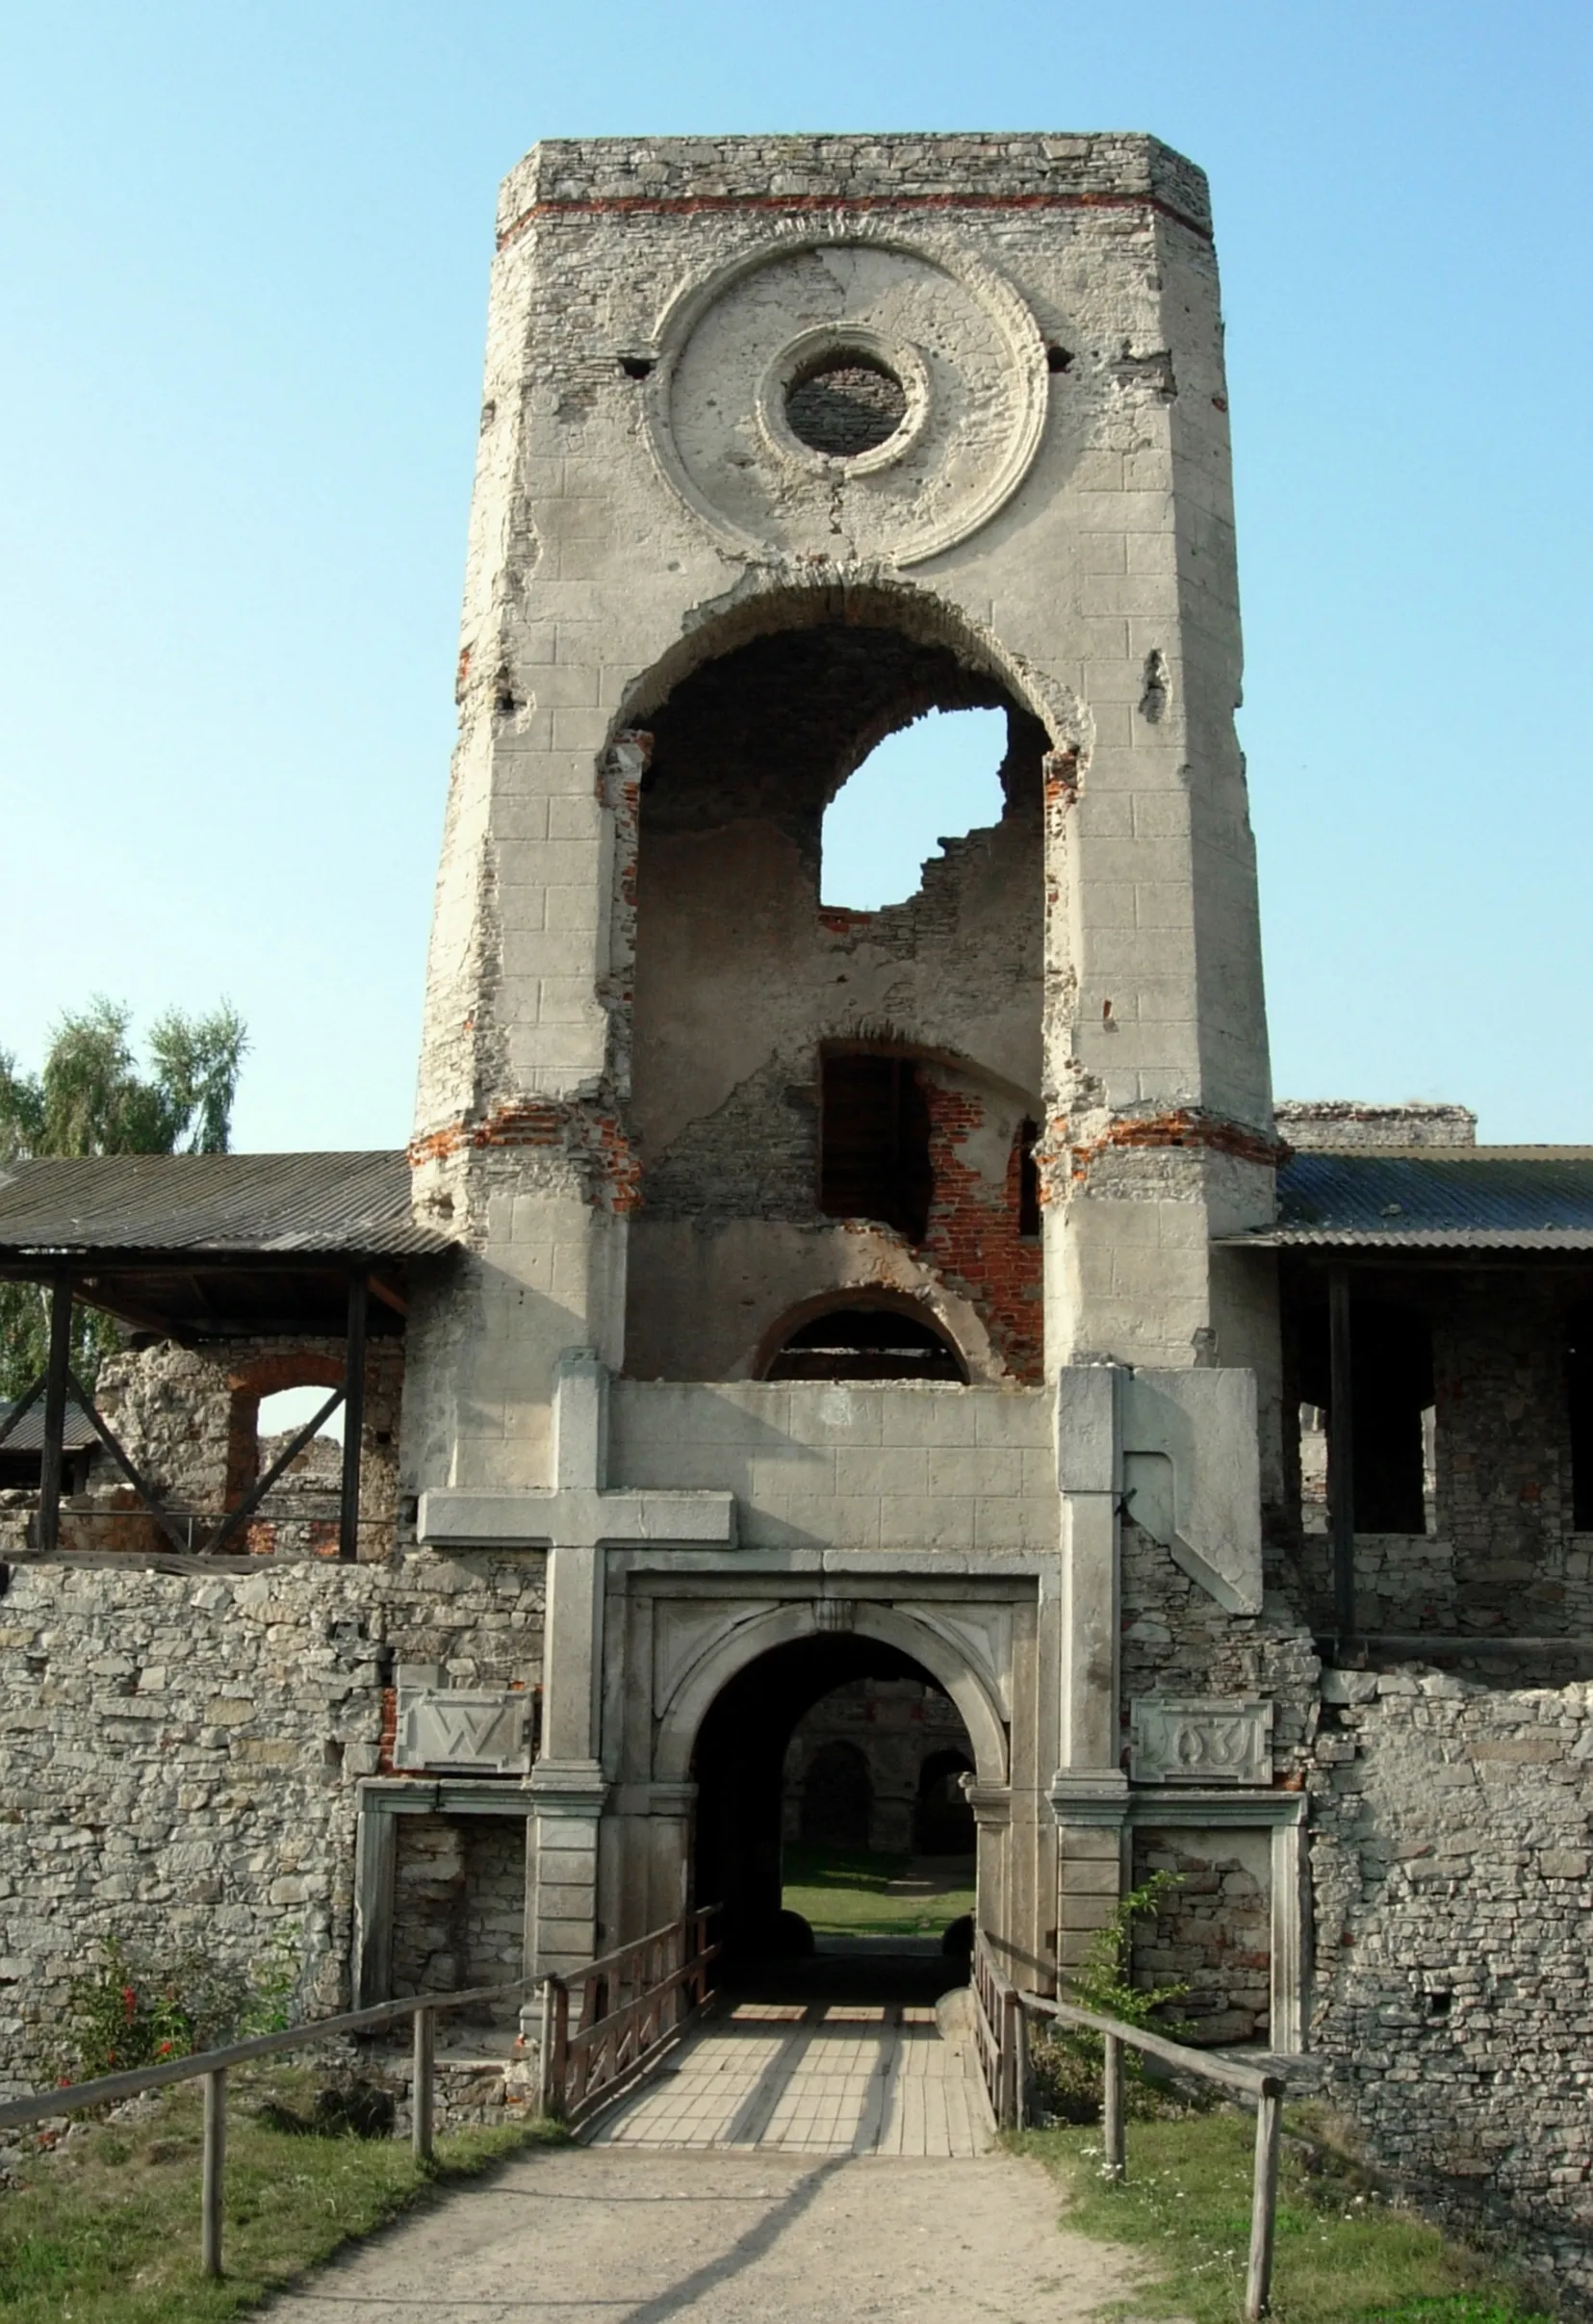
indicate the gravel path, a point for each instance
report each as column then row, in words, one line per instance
column 636, row 2238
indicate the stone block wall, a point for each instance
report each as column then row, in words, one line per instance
column 179, row 1756
column 1453, row 1996
column 911, row 1467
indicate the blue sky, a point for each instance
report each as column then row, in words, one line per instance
column 242, row 298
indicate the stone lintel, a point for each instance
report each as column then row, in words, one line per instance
column 582, row 1517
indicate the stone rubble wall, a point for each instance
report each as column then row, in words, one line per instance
column 1349, row 1126
column 1212, row 1935
column 179, row 1757
column 1453, row 2000
column 460, row 1905
column 187, row 1419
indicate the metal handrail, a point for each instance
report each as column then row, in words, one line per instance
column 1249, row 2081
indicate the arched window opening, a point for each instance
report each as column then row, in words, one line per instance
column 943, row 1823
column 809, row 1765
column 271, row 1399
column 874, row 1133
column 1579, row 1380
column 868, row 1343
column 285, row 1413
column 928, row 784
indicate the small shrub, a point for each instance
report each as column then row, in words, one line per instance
column 1066, row 2063
column 132, row 2012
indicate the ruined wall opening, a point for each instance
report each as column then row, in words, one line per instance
column 866, row 1342
column 919, row 791
column 874, row 1138
column 1393, row 1415
column 459, row 1906
column 271, row 1398
column 810, row 1767
column 762, row 1017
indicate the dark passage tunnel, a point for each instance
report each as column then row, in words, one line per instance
column 739, row 1767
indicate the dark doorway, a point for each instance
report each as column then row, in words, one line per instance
column 874, row 1140
column 1578, row 1383
column 740, row 1765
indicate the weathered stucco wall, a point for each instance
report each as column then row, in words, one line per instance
column 640, row 526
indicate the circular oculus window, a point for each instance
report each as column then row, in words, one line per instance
column 844, row 403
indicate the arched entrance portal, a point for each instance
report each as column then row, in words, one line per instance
column 744, row 1820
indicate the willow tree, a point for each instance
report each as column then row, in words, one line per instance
column 93, row 1097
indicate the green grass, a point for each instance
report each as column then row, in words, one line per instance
column 1342, row 2258
column 106, row 2230
column 843, row 1893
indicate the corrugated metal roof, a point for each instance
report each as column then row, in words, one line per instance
column 28, row 1435
column 229, row 1203
column 1471, row 1198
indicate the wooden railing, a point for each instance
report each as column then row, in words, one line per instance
column 998, row 2036
column 609, row 2046
column 1247, row 2082
column 633, row 2003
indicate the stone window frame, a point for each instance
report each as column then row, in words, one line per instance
column 381, row 1801
column 1177, row 1807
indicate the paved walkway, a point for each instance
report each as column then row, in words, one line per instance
column 610, row 2235
column 825, row 2078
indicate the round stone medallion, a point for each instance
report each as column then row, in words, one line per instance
column 850, row 400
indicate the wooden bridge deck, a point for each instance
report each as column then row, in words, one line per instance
column 824, row 2078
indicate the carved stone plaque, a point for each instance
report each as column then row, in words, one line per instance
column 1199, row 1738
column 484, row 1731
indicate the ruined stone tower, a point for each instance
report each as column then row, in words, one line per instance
column 782, row 443
column 794, row 1329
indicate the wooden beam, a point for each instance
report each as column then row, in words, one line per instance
column 388, row 1296
column 1341, row 1456
column 354, row 1418
column 55, row 1412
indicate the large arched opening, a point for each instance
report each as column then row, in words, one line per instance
column 812, row 1761
column 826, row 1097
